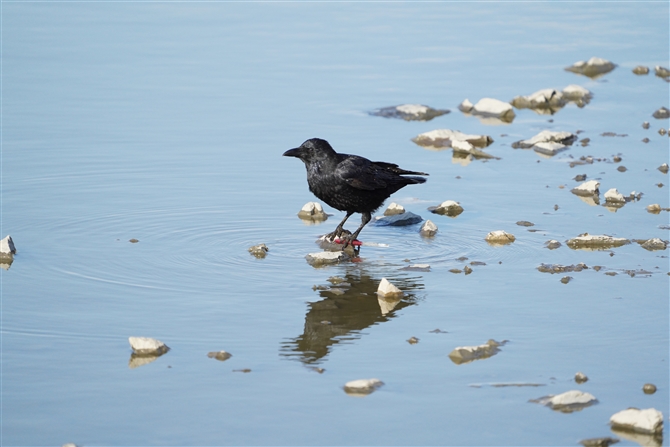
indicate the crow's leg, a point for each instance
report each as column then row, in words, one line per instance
column 338, row 230
column 365, row 218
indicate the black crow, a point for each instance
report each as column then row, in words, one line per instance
column 350, row 183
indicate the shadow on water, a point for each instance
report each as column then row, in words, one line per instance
column 349, row 304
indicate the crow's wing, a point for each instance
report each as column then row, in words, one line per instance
column 361, row 173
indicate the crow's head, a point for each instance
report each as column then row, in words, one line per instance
column 312, row 150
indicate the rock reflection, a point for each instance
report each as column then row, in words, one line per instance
column 348, row 307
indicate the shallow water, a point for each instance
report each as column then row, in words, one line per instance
column 165, row 122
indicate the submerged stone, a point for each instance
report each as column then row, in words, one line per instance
column 580, row 377
column 447, row 208
column 406, row 218
column 648, row 421
column 593, row 68
column 410, row 112
column 558, row 268
column 490, row 107
column 567, row 402
column 649, row 388
column 549, row 148
column 598, row 442
column 552, row 244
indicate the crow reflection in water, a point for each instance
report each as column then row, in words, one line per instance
column 340, row 318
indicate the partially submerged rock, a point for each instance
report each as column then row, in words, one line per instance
column 614, row 196
column 580, row 377
column 7, row 246
column 398, row 220
column 222, row 356
column 259, row 250
column 654, row 244
column 463, row 148
column 410, row 112
column 546, row 136
column 664, row 168
column 499, row 237
column 588, row 188
column 444, row 138
column 662, row 113
column 558, row 268
column 649, row 421
column 552, row 244
column 598, row 442
column 387, row 289
column 661, row 72
column 326, row 257
column 544, row 101
column 447, row 208
column 641, row 70
column 567, row 402
column 147, row 346
column 428, row 229
column 312, row 211
column 467, row 354
column 394, row 209
column 654, row 208
column 418, row 267
column 577, row 94
column 549, row 148
column 593, row 68
column 596, row 241
column 492, row 108
column 649, row 388
column 362, row 387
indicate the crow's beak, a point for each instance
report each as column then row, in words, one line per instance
column 297, row 152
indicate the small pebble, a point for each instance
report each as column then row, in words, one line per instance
column 580, row 377
column 649, row 388
column 641, row 70
column 133, row 241
column 662, row 131
column 413, row 340
column 645, row 125
column 621, row 169
column 467, row 270
column 616, row 159
column 566, row 279
column 219, row 355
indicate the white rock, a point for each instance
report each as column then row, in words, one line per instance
column 326, row 257
column 7, row 246
column 386, row 288
column 466, row 106
column 592, row 68
column 494, row 107
column 146, row 345
column 648, row 421
column 574, row 92
column 445, row 138
column 543, row 98
column 549, row 148
column 614, row 196
column 654, row 244
column 412, row 109
column 394, row 209
column 428, row 229
column 654, row 208
column 462, row 145
column 312, row 210
column 588, row 188
column 546, row 136
column 448, row 208
column 362, row 387
column 567, row 402
column 466, row 354
column 500, row 237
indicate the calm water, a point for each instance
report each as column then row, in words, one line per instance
column 166, row 122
